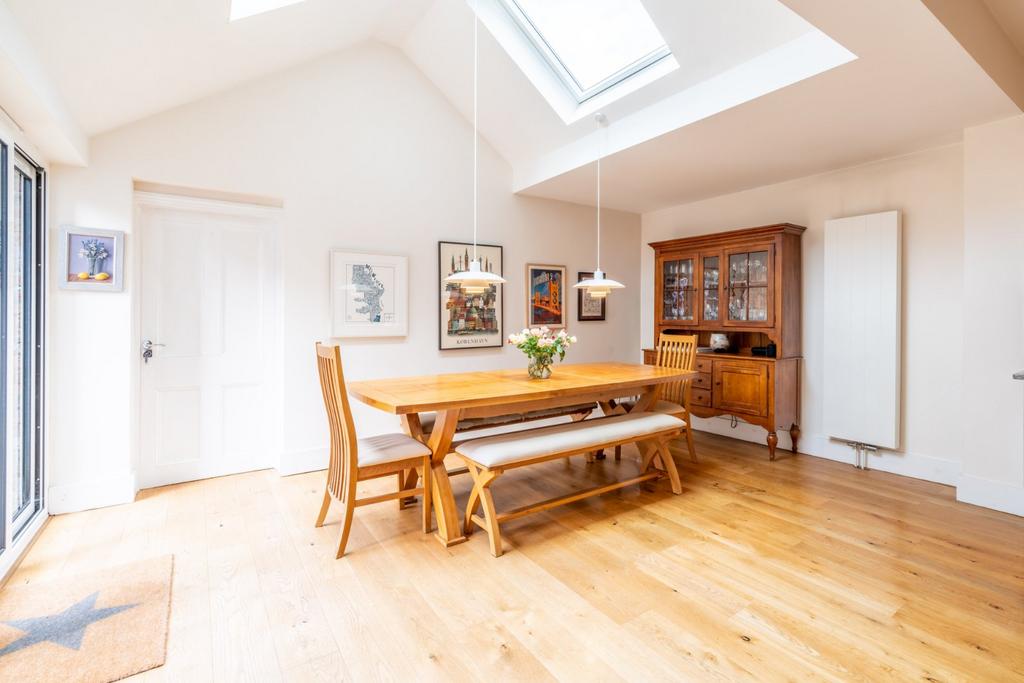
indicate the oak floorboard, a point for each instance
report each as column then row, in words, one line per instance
column 800, row 569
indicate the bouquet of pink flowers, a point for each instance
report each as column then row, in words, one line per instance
column 541, row 347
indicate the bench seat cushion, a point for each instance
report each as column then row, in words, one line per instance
column 468, row 424
column 506, row 449
column 377, row 450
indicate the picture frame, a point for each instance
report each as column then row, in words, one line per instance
column 475, row 322
column 545, row 296
column 91, row 259
column 588, row 308
column 369, row 294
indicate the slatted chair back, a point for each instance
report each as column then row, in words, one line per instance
column 344, row 462
column 677, row 351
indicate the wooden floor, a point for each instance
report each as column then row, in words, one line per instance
column 801, row 569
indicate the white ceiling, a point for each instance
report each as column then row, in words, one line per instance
column 911, row 86
column 116, row 61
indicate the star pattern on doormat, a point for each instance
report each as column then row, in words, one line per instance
column 65, row 628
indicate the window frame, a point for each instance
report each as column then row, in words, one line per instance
column 550, row 56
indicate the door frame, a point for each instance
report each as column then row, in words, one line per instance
column 272, row 217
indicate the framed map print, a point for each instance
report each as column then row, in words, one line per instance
column 369, row 294
column 545, row 296
column 468, row 321
column 588, row 307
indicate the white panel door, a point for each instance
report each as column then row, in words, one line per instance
column 208, row 307
column 862, row 329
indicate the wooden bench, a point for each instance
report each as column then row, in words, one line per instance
column 490, row 457
column 578, row 411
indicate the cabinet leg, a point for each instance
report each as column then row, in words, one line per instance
column 773, row 439
column 794, row 434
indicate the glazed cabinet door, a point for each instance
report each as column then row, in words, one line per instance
column 741, row 387
column 750, row 286
column 677, row 286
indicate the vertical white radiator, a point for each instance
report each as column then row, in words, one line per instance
column 862, row 329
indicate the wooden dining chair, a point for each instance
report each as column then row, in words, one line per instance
column 353, row 460
column 679, row 352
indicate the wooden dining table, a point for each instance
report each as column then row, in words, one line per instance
column 490, row 393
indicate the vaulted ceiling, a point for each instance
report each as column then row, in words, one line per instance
column 911, row 85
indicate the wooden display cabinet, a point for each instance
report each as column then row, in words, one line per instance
column 745, row 284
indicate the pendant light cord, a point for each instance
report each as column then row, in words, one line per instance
column 476, row 59
column 599, row 212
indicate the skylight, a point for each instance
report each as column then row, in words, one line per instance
column 240, row 9
column 592, row 45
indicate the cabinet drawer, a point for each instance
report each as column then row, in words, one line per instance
column 741, row 387
column 702, row 381
column 704, row 365
column 700, row 397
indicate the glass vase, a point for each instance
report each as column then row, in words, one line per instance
column 539, row 368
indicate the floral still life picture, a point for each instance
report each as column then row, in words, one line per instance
column 369, row 294
column 92, row 259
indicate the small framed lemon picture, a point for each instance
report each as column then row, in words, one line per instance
column 92, row 259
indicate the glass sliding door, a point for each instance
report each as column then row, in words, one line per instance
column 22, row 285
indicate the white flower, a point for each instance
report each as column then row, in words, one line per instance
column 526, row 331
column 572, row 340
column 561, row 333
column 536, row 332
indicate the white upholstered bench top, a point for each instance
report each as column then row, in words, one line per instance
column 504, row 449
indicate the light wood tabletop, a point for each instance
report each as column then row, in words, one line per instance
column 500, row 392
column 464, row 390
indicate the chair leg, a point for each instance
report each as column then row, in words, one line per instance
column 346, row 526
column 689, row 442
column 618, row 453
column 324, row 506
column 401, row 485
column 407, row 480
column 428, row 494
column 670, row 467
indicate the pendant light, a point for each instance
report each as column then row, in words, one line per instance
column 475, row 280
column 599, row 286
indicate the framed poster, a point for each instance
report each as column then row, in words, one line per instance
column 91, row 259
column 588, row 307
column 545, row 296
column 469, row 321
column 369, row 294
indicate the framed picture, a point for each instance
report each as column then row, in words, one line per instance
column 545, row 296
column 91, row 259
column 469, row 321
column 588, row 307
column 369, row 294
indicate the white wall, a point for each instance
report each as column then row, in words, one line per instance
column 365, row 154
column 993, row 348
column 928, row 189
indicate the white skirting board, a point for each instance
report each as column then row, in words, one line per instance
column 99, row 492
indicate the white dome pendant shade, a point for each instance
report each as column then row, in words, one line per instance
column 599, row 286
column 475, row 280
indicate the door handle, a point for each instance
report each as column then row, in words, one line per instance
column 147, row 349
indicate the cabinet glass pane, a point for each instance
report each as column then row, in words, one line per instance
column 737, row 303
column 710, row 288
column 678, row 290
column 757, row 268
column 738, row 269
column 757, row 303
